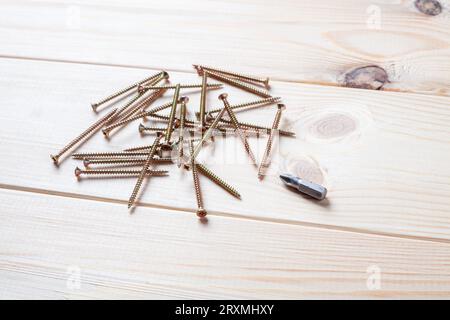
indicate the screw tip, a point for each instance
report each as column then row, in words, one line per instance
column 77, row 172
column 201, row 213
column 223, row 96
column 55, row 159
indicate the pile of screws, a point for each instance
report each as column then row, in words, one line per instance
column 146, row 92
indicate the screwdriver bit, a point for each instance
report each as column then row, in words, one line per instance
column 310, row 188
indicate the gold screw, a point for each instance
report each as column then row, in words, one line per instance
column 203, row 102
column 91, row 155
column 125, row 161
column 182, row 86
column 259, row 103
column 184, row 100
column 275, row 125
column 95, row 105
column 145, row 167
column 169, row 129
column 84, row 136
column 240, row 133
column 220, row 182
column 245, row 125
column 240, row 76
column 241, row 85
column 201, row 212
column 117, row 172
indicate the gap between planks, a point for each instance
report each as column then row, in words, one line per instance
column 222, row 214
column 153, row 68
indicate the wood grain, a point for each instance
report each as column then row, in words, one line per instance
column 319, row 42
column 383, row 156
column 162, row 254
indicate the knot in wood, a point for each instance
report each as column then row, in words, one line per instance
column 429, row 7
column 369, row 77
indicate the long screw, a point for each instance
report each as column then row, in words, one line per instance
column 109, row 172
column 182, row 86
column 259, row 103
column 126, row 161
column 84, row 136
column 276, row 123
column 219, row 181
column 238, row 84
column 201, row 212
column 241, row 76
column 239, row 132
column 130, row 87
column 207, row 135
column 203, row 102
column 145, row 167
column 96, row 155
column 244, row 125
column 183, row 101
column 173, row 110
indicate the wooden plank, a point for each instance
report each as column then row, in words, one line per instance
column 62, row 248
column 316, row 42
column 383, row 156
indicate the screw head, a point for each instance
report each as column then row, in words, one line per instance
column 141, row 128
column 281, row 106
column 176, row 123
column 201, row 213
column 184, row 99
column 55, row 159
column 165, row 74
column 105, row 133
column 94, row 106
column 77, row 172
column 198, row 69
column 223, row 96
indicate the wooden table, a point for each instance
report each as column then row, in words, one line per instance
column 384, row 155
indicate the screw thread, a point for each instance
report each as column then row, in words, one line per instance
column 202, row 107
column 126, row 161
column 255, row 126
column 260, row 103
column 183, row 86
column 219, row 181
column 79, row 172
column 238, row 84
column 172, row 114
column 143, row 171
column 89, row 155
column 181, row 136
column 89, row 131
column 122, row 91
column 233, row 74
column 198, row 193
